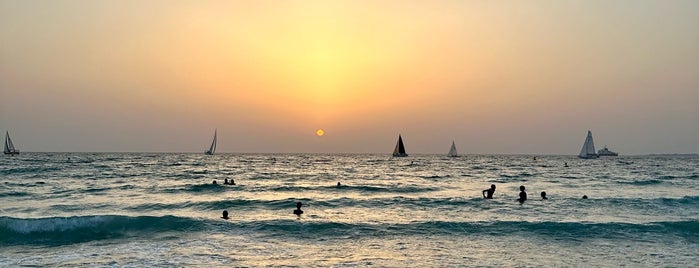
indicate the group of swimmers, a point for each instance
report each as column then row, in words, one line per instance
column 226, row 182
column 488, row 194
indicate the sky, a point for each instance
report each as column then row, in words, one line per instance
column 495, row 77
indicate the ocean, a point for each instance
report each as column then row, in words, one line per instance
column 162, row 210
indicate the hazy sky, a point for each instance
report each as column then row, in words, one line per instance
column 494, row 76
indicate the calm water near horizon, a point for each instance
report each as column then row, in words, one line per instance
column 161, row 209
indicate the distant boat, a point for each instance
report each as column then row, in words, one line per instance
column 452, row 150
column 606, row 152
column 399, row 151
column 588, row 148
column 212, row 149
column 9, row 147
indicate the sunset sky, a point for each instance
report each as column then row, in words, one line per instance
column 505, row 77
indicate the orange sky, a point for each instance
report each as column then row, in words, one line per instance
column 495, row 76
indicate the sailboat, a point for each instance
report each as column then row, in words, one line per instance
column 588, row 148
column 9, row 147
column 212, row 149
column 452, row 150
column 399, row 151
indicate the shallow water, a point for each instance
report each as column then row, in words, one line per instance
column 426, row 210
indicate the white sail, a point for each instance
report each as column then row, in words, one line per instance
column 9, row 147
column 452, row 150
column 212, row 149
column 588, row 148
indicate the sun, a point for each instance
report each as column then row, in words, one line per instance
column 320, row 132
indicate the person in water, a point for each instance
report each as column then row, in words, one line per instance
column 339, row 184
column 298, row 210
column 584, row 196
column 565, row 164
column 231, row 182
column 225, row 181
column 490, row 192
column 225, row 215
column 522, row 195
column 543, row 196
column 214, row 182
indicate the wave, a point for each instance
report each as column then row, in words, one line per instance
column 77, row 229
column 207, row 188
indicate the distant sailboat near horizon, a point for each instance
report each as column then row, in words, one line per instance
column 588, row 148
column 9, row 147
column 212, row 149
column 452, row 150
column 399, row 151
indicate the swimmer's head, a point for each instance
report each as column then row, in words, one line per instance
column 521, row 188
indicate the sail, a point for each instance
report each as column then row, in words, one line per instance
column 9, row 147
column 400, row 149
column 212, row 149
column 452, row 150
column 588, row 149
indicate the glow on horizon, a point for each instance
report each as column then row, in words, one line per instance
column 496, row 76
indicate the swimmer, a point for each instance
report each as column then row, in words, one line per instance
column 489, row 191
column 225, row 215
column 225, row 181
column 214, row 182
column 584, row 196
column 298, row 210
column 232, row 182
column 338, row 184
column 565, row 164
column 543, row 196
column 522, row 195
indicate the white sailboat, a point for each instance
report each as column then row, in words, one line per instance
column 212, row 149
column 452, row 150
column 9, row 147
column 588, row 148
column 399, row 151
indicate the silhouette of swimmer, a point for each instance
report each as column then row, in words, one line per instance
column 338, row 184
column 565, row 164
column 214, row 182
column 584, row 196
column 225, row 215
column 489, row 191
column 232, row 182
column 298, row 210
column 543, row 196
column 522, row 195
column 225, row 181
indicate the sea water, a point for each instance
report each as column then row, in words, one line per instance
column 145, row 210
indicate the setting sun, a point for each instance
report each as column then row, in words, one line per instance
column 320, row 132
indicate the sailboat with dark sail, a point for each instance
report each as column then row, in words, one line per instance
column 452, row 150
column 9, row 147
column 212, row 149
column 399, row 151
